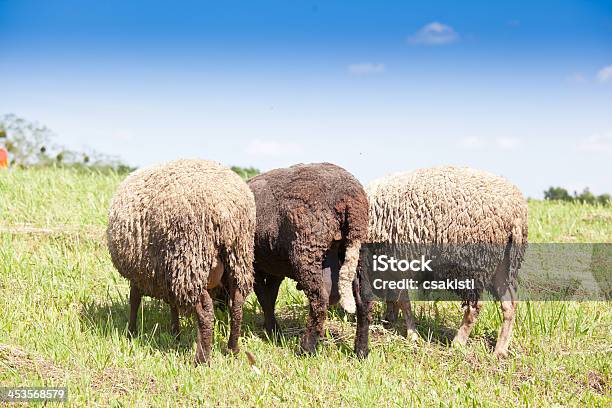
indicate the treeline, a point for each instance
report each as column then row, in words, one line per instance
column 586, row 197
column 30, row 144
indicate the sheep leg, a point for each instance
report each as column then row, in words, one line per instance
column 310, row 278
column 135, row 299
column 364, row 319
column 411, row 332
column 266, row 288
column 391, row 314
column 503, row 340
column 176, row 325
column 204, row 316
column 316, row 318
column 237, row 301
column 469, row 320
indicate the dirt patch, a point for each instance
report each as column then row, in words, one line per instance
column 598, row 218
column 17, row 359
column 89, row 232
column 121, row 381
column 598, row 383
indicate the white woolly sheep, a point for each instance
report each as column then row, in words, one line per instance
column 454, row 208
column 178, row 230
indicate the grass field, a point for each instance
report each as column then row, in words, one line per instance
column 63, row 318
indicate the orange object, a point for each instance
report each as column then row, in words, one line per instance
column 4, row 159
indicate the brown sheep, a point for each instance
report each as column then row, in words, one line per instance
column 311, row 220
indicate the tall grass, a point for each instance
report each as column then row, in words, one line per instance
column 63, row 317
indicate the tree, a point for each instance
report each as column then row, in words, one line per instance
column 245, row 172
column 557, row 193
column 604, row 199
column 585, row 197
column 28, row 143
column 31, row 144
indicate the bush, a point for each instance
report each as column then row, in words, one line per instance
column 245, row 172
column 586, row 197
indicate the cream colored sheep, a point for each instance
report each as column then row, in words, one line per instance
column 457, row 208
column 178, row 230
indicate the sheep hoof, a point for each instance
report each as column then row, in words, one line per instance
column 131, row 333
column 201, row 359
column 308, row 344
column 274, row 331
column 412, row 335
column 459, row 341
column 307, row 350
column 501, row 354
column 387, row 324
column 362, row 354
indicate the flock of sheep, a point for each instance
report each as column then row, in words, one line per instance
column 179, row 231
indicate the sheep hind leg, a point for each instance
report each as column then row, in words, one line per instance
column 316, row 318
column 391, row 312
column 411, row 331
column 505, row 334
column 204, row 317
column 310, row 279
column 237, row 301
column 505, row 290
column 135, row 299
column 364, row 319
column 266, row 288
column 176, row 324
column 469, row 320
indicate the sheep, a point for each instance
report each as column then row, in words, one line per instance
column 311, row 220
column 178, row 230
column 453, row 209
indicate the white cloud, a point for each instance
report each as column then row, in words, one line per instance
column 577, row 78
column 507, row 143
column 366, row 68
column 605, row 74
column 272, row 148
column 434, row 33
column 598, row 143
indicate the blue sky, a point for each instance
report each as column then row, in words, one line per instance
column 522, row 89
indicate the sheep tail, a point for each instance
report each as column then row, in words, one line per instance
column 347, row 275
column 517, row 247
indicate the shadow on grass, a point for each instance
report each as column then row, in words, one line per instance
column 111, row 320
column 439, row 328
column 292, row 321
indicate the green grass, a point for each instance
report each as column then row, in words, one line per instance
column 63, row 317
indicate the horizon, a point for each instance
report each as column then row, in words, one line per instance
column 523, row 91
